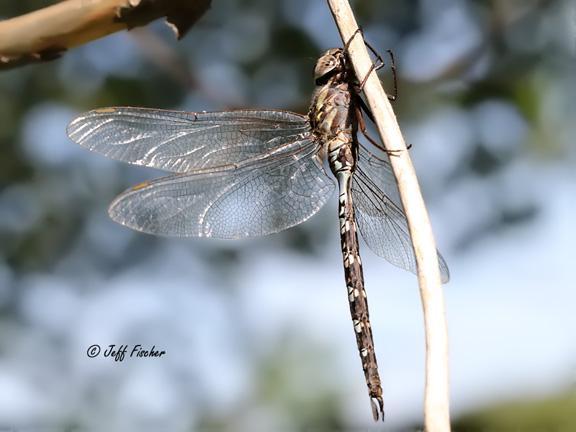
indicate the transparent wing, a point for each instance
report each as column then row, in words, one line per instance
column 254, row 200
column 180, row 141
column 383, row 225
column 377, row 167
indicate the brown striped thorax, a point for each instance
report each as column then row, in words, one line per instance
column 332, row 112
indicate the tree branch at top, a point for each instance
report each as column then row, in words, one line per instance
column 47, row 33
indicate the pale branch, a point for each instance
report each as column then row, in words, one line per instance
column 47, row 33
column 436, row 398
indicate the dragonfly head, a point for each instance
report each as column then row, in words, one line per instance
column 331, row 63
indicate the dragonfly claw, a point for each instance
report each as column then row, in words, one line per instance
column 377, row 410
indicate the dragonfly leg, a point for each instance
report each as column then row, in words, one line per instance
column 347, row 44
column 375, row 66
column 366, row 109
column 376, row 54
column 394, row 76
column 364, row 131
column 394, row 96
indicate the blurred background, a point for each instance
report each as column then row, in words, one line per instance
column 257, row 333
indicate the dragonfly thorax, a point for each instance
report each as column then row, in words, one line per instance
column 332, row 112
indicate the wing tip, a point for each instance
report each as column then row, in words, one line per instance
column 444, row 270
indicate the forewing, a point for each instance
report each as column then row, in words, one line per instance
column 255, row 200
column 180, row 141
column 383, row 225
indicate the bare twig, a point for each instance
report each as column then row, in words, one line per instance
column 47, row 33
column 436, row 400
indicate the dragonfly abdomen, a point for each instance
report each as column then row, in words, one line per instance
column 357, row 298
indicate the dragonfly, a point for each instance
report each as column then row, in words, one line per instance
column 246, row 173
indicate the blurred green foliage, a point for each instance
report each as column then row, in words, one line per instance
column 552, row 414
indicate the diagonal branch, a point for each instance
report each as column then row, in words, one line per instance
column 47, row 33
column 436, row 399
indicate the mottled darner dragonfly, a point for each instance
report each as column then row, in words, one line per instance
column 250, row 173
